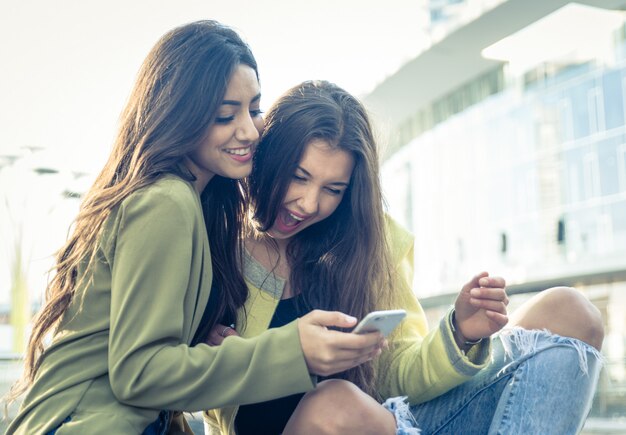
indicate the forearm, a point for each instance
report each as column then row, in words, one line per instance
column 204, row 377
column 423, row 368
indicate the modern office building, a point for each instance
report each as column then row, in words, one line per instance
column 506, row 151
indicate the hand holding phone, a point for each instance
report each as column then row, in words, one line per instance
column 383, row 321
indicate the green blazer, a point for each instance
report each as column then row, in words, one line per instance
column 122, row 354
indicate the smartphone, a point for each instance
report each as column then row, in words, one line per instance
column 383, row 321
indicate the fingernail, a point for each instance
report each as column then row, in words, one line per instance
column 474, row 292
column 350, row 319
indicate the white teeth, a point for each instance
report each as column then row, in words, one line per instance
column 239, row 151
column 294, row 217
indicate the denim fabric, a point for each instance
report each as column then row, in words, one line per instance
column 536, row 383
column 157, row 427
column 160, row 425
column 405, row 422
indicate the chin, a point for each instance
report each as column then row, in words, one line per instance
column 237, row 174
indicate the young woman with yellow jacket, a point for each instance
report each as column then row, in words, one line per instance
column 319, row 239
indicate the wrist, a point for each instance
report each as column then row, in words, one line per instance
column 462, row 342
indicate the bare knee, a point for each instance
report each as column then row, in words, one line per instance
column 564, row 311
column 339, row 407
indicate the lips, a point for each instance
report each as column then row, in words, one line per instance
column 243, row 154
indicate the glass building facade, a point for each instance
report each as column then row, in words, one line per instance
column 524, row 176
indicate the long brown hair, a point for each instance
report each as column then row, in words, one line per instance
column 342, row 262
column 178, row 91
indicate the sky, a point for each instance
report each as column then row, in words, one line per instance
column 68, row 67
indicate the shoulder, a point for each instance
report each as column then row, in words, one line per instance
column 169, row 195
column 169, row 198
column 168, row 189
column 399, row 238
column 168, row 207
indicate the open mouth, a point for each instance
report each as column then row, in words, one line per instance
column 291, row 219
column 287, row 222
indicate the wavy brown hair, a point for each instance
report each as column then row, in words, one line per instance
column 341, row 263
column 178, row 91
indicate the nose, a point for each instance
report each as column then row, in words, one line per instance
column 247, row 131
column 308, row 201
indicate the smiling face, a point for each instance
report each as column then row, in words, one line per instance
column 228, row 146
column 316, row 190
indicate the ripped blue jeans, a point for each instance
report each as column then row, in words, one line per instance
column 536, row 383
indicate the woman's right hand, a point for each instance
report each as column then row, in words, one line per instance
column 327, row 351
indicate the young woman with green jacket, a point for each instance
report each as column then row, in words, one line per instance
column 153, row 263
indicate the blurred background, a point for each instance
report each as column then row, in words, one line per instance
column 502, row 125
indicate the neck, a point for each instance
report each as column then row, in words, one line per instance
column 281, row 243
column 202, row 177
column 271, row 253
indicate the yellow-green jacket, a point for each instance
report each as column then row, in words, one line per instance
column 122, row 354
column 418, row 364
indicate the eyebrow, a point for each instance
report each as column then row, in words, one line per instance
column 336, row 183
column 256, row 98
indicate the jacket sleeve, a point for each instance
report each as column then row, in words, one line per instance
column 421, row 364
column 150, row 364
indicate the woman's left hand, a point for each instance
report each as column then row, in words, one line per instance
column 480, row 308
column 219, row 333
